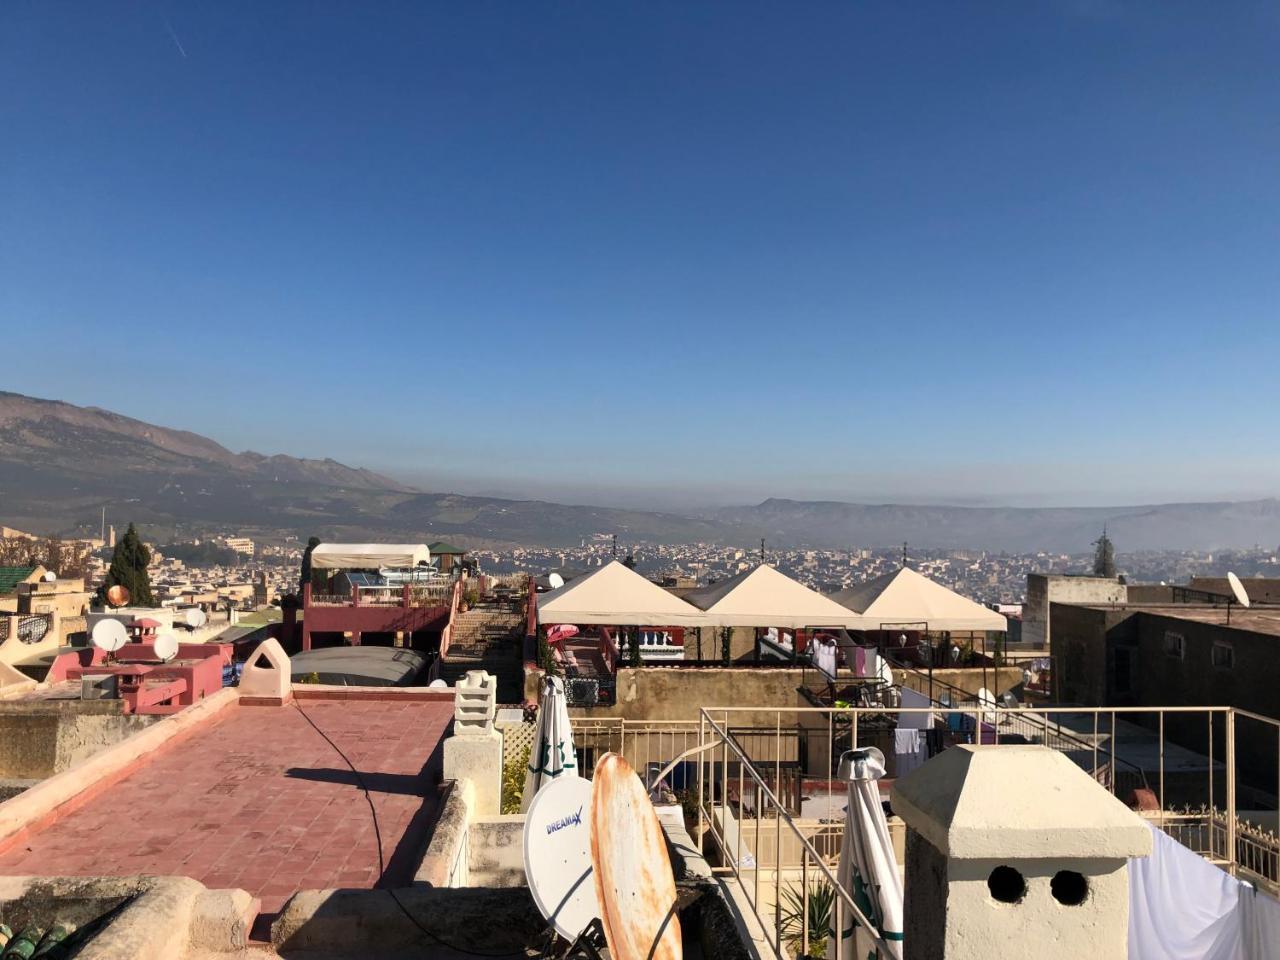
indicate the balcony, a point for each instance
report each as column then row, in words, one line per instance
column 434, row 593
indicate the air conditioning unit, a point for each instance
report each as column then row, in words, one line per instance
column 100, row 686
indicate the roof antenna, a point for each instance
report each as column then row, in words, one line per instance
column 762, row 549
column 615, row 546
column 904, row 554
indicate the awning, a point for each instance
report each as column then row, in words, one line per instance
column 905, row 597
column 764, row 597
column 368, row 556
column 615, row 595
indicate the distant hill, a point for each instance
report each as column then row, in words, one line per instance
column 60, row 464
column 1174, row 526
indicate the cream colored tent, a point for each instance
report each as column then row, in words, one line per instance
column 906, row 597
column 616, row 595
column 764, row 597
column 368, row 556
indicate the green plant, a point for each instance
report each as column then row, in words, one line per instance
column 545, row 660
column 471, row 597
column 819, row 903
column 513, row 772
column 312, row 677
column 689, row 807
column 129, row 569
column 726, row 644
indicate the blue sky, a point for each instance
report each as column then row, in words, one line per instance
column 661, row 253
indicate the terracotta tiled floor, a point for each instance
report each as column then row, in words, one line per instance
column 260, row 801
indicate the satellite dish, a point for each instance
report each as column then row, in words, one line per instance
column 556, row 582
column 1237, row 588
column 109, row 635
column 195, row 617
column 118, row 595
column 635, row 888
column 50, row 576
column 987, row 699
column 557, row 855
column 165, row 647
column 438, row 684
column 886, row 672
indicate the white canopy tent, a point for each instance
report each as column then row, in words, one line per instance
column 368, row 556
column 615, row 595
column 906, row 596
column 764, row 597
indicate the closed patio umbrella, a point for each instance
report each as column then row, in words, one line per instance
column 868, row 869
column 553, row 754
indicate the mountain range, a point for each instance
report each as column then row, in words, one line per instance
column 60, row 464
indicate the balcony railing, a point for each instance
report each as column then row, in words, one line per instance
column 434, row 593
column 769, row 843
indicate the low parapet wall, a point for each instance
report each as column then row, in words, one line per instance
column 661, row 693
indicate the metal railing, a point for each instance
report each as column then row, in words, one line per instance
column 1124, row 748
column 777, row 895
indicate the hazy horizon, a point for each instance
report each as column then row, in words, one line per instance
column 662, row 256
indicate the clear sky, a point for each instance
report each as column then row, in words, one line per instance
column 661, row 253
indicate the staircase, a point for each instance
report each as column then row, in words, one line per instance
column 489, row 638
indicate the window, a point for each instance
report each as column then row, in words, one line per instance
column 1224, row 655
column 1174, row 645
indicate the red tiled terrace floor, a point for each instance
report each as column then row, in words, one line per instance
column 259, row 800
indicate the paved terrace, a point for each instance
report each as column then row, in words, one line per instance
column 257, row 799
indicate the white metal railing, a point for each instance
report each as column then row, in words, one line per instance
column 1134, row 760
column 783, row 904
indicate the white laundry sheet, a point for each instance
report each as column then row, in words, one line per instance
column 1182, row 907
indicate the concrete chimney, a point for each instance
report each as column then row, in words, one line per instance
column 1014, row 850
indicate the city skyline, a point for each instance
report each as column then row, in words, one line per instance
column 662, row 257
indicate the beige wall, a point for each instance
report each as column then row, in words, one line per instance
column 677, row 693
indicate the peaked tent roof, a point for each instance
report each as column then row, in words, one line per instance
column 368, row 556
column 765, row 597
column 617, row 595
column 441, row 546
column 906, row 596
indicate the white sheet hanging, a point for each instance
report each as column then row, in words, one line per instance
column 909, row 750
column 914, row 721
column 1181, row 906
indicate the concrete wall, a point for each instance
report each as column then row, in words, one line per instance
column 496, row 851
column 1251, row 683
column 678, row 693
column 1080, row 648
column 1044, row 589
column 41, row 738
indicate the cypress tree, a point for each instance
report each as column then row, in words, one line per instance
column 306, row 563
column 129, row 569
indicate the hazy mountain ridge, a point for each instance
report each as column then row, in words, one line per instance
column 60, row 464
column 1174, row 526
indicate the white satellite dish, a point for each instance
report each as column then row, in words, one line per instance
column 166, row 647
column 109, row 635
column 987, row 699
column 438, row 684
column 557, row 855
column 50, row 576
column 1237, row 588
column 556, row 582
column 886, row 672
column 195, row 617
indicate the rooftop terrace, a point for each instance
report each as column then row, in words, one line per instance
column 256, row 798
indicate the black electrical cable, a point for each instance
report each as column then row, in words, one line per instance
column 377, row 836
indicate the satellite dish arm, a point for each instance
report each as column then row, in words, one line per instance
column 662, row 774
